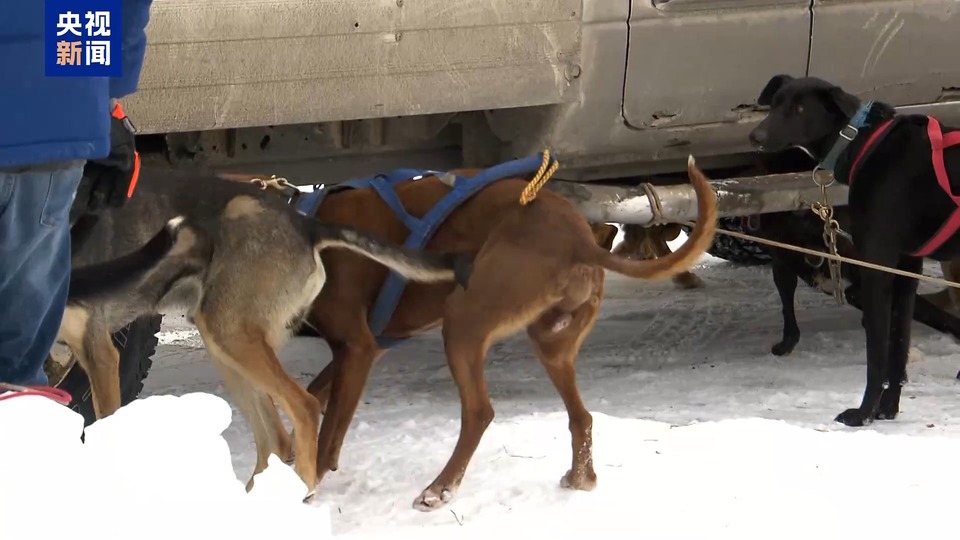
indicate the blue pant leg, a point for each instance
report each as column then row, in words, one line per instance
column 34, row 266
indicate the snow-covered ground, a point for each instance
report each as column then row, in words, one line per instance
column 699, row 431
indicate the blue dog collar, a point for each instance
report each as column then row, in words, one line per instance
column 847, row 135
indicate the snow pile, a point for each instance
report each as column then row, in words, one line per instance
column 158, row 468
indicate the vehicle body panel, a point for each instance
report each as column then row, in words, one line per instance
column 694, row 62
column 215, row 64
column 615, row 88
column 902, row 52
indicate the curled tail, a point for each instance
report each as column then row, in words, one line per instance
column 697, row 243
column 121, row 275
column 425, row 267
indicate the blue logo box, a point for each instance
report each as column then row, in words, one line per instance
column 82, row 38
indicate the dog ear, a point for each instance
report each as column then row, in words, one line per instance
column 844, row 102
column 766, row 96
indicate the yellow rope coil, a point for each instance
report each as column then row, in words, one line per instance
column 543, row 174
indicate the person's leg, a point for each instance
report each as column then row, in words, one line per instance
column 34, row 265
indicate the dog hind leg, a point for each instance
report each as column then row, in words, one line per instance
column 496, row 305
column 269, row 434
column 97, row 356
column 904, row 299
column 256, row 361
column 557, row 352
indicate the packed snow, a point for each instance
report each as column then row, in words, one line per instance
column 699, row 432
column 153, row 469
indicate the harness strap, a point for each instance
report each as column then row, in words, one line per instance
column 939, row 141
column 309, row 203
column 463, row 189
column 389, row 196
column 868, row 149
column 421, row 229
column 119, row 114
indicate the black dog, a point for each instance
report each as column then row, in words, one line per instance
column 801, row 228
column 901, row 207
column 804, row 228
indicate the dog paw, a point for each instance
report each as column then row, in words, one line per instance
column 889, row 408
column 854, row 418
column 579, row 482
column 886, row 415
column 561, row 324
column 310, row 498
column 432, row 499
column 687, row 280
column 782, row 349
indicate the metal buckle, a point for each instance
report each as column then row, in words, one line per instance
column 847, row 129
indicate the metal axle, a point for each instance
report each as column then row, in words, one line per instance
column 742, row 196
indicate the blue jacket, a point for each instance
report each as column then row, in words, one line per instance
column 47, row 119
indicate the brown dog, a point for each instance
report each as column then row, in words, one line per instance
column 537, row 267
column 641, row 243
column 604, row 234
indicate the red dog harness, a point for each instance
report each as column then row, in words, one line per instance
column 938, row 142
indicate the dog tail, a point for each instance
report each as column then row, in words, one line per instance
column 121, row 275
column 425, row 267
column 699, row 241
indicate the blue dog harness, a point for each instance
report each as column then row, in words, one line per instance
column 421, row 229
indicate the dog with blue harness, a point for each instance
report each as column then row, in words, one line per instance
column 536, row 267
column 421, row 229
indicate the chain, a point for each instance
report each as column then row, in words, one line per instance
column 831, row 228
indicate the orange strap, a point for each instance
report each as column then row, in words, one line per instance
column 136, row 174
column 118, row 113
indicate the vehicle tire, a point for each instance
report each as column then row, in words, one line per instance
column 735, row 250
column 136, row 343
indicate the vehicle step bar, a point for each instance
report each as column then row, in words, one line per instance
column 741, row 196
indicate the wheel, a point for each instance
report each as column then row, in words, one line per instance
column 735, row 250
column 137, row 343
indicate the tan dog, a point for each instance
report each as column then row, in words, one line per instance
column 537, row 268
column 247, row 267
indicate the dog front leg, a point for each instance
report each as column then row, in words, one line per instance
column 904, row 299
column 786, row 281
column 876, row 288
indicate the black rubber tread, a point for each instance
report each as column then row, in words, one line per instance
column 137, row 343
column 735, row 250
